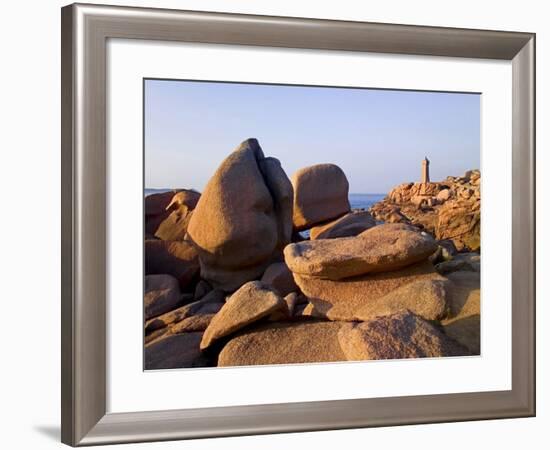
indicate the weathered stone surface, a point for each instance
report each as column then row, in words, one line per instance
column 203, row 306
column 379, row 249
column 252, row 302
column 425, row 298
column 342, row 299
column 279, row 278
column 162, row 294
column 284, row 343
column 397, row 336
column 320, row 194
column 460, row 220
column 198, row 322
column 156, row 210
column 176, row 258
column 463, row 323
column 351, row 224
column 242, row 218
column 180, row 210
column 175, row 351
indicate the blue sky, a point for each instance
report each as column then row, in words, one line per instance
column 378, row 137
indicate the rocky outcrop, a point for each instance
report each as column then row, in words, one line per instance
column 380, row 249
column 252, row 302
column 162, row 294
column 351, row 224
column 320, row 194
column 176, row 258
column 243, row 218
column 284, row 343
column 449, row 210
column 397, row 336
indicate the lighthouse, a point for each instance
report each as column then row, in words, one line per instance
column 425, row 170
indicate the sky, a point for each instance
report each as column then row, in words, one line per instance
column 377, row 137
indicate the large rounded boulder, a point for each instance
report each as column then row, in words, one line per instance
column 243, row 218
column 320, row 194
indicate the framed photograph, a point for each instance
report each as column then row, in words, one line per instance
column 275, row 224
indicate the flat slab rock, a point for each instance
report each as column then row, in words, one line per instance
column 345, row 299
column 396, row 336
column 175, row 351
column 252, row 302
column 380, row 249
column 284, row 343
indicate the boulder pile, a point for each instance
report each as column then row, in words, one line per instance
column 232, row 281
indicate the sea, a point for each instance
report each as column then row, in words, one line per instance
column 357, row 201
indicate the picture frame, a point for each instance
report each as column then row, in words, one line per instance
column 85, row 31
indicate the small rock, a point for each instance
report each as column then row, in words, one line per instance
column 351, row 224
column 203, row 306
column 252, row 302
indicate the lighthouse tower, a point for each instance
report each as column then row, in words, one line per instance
column 425, row 170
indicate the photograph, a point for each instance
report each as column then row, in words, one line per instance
column 308, row 224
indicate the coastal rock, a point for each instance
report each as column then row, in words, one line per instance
column 198, row 322
column 162, row 294
column 203, row 306
column 241, row 220
column 284, row 343
column 201, row 289
column 176, row 258
column 460, row 220
column 250, row 303
column 380, row 249
column 320, row 194
column 156, row 210
column 342, row 299
column 351, row 224
column 463, row 323
column 175, row 351
column 278, row 277
column 449, row 210
column 180, row 208
column 425, row 298
column 397, row 336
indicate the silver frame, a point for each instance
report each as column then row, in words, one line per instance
column 85, row 30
